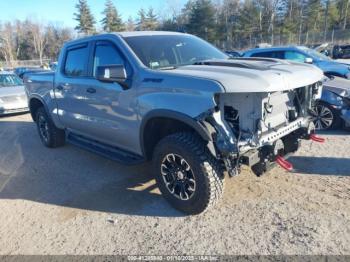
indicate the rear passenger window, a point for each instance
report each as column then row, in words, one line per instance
column 76, row 62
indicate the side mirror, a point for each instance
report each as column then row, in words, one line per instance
column 308, row 60
column 111, row 73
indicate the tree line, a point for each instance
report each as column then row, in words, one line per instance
column 233, row 23
column 226, row 23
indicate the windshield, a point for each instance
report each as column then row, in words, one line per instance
column 314, row 54
column 10, row 80
column 172, row 51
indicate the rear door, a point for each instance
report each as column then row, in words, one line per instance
column 70, row 88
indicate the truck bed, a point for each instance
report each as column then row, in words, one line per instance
column 39, row 83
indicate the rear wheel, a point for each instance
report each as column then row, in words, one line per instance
column 325, row 117
column 50, row 135
column 188, row 176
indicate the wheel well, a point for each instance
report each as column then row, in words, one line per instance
column 159, row 127
column 34, row 105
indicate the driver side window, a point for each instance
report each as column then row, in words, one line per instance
column 107, row 54
column 294, row 56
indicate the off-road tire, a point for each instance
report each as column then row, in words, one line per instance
column 207, row 170
column 55, row 136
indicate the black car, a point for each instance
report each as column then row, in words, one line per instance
column 341, row 51
column 333, row 109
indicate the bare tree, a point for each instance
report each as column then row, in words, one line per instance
column 39, row 39
column 7, row 33
column 346, row 13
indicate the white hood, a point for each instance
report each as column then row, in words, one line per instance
column 255, row 75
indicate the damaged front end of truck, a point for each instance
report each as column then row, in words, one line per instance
column 259, row 129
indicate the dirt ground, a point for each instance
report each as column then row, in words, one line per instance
column 68, row 201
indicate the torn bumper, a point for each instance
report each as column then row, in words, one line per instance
column 261, row 152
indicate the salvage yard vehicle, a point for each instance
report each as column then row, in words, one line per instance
column 303, row 54
column 176, row 100
column 333, row 109
column 13, row 98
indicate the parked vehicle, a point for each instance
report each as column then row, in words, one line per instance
column 303, row 54
column 20, row 71
column 53, row 66
column 325, row 49
column 233, row 53
column 333, row 109
column 13, row 98
column 36, row 71
column 341, row 52
column 176, row 100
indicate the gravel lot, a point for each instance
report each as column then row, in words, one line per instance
column 68, row 201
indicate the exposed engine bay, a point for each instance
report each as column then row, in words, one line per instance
column 258, row 129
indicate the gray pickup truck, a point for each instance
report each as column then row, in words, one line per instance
column 176, row 100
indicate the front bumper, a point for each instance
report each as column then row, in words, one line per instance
column 18, row 106
column 13, row 111
column 264, row 158
column 275, row 146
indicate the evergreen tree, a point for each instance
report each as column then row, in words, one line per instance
column 112, row 21
column 151, row 20
column 130, row 25
column 315, row 17
column 202, row 20
column 169, row 24
column 333, row 15
column 86, row 21
column 141, row 21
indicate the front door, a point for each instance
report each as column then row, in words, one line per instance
column 102, row 111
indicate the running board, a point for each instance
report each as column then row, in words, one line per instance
column 110, row 152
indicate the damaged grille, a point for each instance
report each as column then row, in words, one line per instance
column 252, row 113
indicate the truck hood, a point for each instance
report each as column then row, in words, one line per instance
column 254, row 74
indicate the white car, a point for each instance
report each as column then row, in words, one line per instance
column 13, row 98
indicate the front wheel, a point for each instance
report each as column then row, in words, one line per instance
column 188, row 176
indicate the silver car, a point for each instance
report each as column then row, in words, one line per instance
column 13, row 98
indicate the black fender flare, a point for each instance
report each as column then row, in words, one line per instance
column 36, row 97
column 170, row 114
